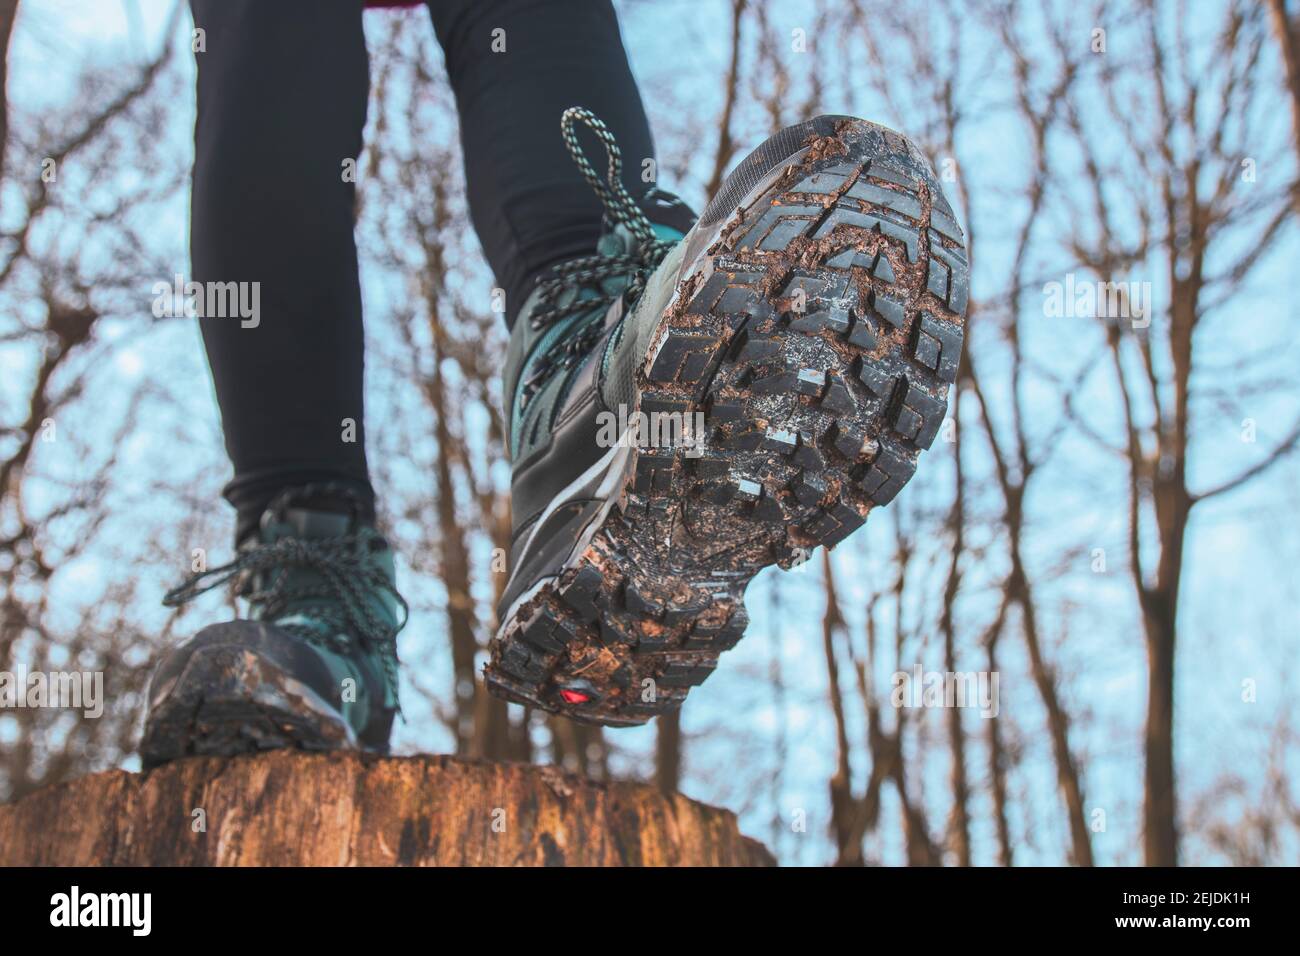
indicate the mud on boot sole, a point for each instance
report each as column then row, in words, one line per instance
column 818, row 332
column 229, row 701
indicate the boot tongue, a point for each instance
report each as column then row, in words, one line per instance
column 305, row 523
column 670, row 217
column 619, row 240
column 310, row 514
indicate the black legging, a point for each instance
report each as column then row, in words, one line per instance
column 282, row 92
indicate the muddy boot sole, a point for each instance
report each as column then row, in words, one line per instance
column 818, row 331
column 228, row 701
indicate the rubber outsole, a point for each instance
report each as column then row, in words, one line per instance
column 818, row 334
column 229, row 701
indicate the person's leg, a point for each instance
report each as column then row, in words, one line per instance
column 515, row 67
column 282, row 90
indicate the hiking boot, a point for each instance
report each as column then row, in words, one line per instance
column 314, row 666
column 812, row 320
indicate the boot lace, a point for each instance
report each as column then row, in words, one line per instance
column 340, row 601
column 589, row 272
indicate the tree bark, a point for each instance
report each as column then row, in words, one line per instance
column 959, row 825
column 341, row 809
column 8, row 13
column 848, row 845
column 1287, row 33
column 668, row 751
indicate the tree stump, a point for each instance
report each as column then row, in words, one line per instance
column 341, row 809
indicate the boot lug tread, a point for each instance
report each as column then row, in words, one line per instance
column 819, row 338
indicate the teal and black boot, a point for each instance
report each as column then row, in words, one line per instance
column 313, row 666
column 771, row 377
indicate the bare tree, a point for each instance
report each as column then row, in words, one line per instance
column 1192, row 201
column 57, row 461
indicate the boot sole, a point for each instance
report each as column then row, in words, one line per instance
column 818, row 334
column 229, row 701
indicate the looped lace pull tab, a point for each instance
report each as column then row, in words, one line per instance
column 590, row 273
column 619, row 205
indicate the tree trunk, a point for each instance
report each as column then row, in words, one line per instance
column 848, row 846
column 291, row 808
column 8, row 13
column 1160, row 806
column 668, row 751
column 1288, row 42
column 959, row 827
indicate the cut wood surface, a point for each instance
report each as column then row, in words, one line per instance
column 288, row 808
